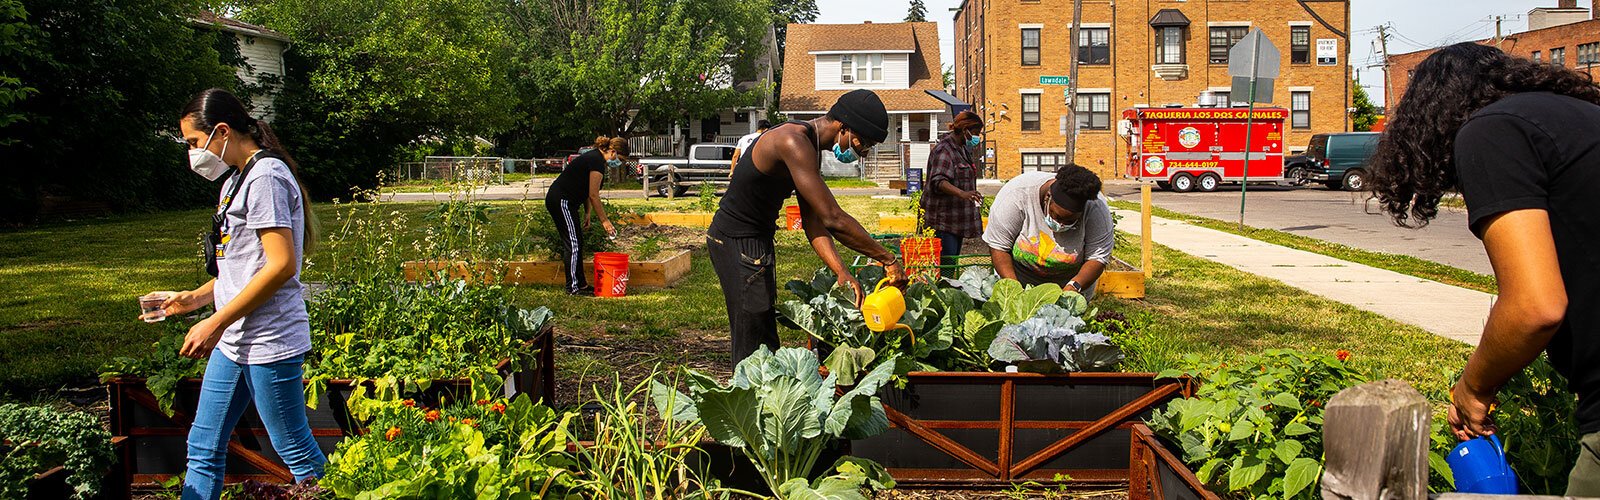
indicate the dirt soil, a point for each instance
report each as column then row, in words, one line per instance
column 1021, row 492
column 670, row 239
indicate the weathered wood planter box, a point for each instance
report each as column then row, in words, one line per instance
column 697, row 219
column 151, row 446
column 998, row 428
column 660, row 273
column 1154, row 473
column 1122, row 280
column 905, row 224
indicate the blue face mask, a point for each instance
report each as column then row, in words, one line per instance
column 844, row 155
column 613, row 163
column 974, row 141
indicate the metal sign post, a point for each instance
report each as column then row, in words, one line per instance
column 1253, row 59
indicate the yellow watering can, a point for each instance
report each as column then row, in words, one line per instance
column 883, row 308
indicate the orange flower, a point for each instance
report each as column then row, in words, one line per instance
column 499, row 408
column 409, row 403
column 393, row 432
column 469, row 421
column 1341, row 354
column 483, row 402
column 431, row 416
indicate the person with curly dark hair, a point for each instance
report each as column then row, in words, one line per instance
column 1520, row 141
column 1051, row 228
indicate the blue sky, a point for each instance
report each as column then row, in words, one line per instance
column 1417, row 24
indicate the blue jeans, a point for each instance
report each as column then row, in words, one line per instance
column 228, row 388
column 949, row 247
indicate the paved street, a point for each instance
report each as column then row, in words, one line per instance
column 1336, row 216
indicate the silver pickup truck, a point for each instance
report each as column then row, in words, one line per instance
column 706, row 163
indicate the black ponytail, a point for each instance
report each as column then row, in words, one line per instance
column 216, row 106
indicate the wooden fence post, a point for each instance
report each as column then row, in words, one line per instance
column 1375, row 438
column 1146, row 260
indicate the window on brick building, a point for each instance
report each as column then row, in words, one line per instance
column 1299, row 45
column 1094, row 45
column 1169, row 49
column 1300, row 109
column 1030, row 112
column 1042, row 162
column 1030, row 46
column 1536, row 57
column 1558, row 56
column 1588, row 53
column 1094, row 111
column 1222, row 39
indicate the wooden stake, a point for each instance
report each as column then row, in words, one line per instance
column 1145, row 258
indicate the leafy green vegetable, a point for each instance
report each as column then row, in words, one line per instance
column 489, row 449
column 1051, row 342
column 1254, row 428
column 976, row 281
column 782, row 414
column 35, row 439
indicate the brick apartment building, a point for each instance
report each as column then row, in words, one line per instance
column 1153, row 53
column 1565, row 35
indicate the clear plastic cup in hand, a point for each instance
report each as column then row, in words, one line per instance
column 150, row 307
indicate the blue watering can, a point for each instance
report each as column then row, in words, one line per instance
column 1479, row 466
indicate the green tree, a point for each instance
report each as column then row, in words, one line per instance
column 370, row 80
column 660, row 61
column 949, row 76
column 14, row 38
column 110, row 76
column 786, row 12
column 1365, row 114
column 918, row 12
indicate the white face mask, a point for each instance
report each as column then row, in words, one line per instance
column 206, row 163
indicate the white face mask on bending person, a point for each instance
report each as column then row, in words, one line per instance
column 206, row 163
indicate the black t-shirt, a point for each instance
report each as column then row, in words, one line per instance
column 573, row 183
column 1539, row 150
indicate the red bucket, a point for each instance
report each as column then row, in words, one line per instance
column 610, row 274
column 792, row 212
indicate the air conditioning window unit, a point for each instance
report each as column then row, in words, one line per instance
column 847, row 78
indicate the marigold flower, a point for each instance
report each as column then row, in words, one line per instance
column 392, row 433
column 483, row 402
column 1341, row 354
column 409, row 403
column 469, row 421
column 431, row 416
column 499, row 408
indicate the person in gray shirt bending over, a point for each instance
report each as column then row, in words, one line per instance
column 1051, row 228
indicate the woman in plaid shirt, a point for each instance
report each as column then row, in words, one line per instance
column 951, row 204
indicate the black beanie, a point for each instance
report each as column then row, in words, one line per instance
column 862, row 111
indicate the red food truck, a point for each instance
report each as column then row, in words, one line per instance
column 1188, row 149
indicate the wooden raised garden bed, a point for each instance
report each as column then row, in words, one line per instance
column 152, row 447
column 994, row 429
column 1154, row 473
column 659, row 273
column 1121, row 280
column 696, row 219
column 904, row 224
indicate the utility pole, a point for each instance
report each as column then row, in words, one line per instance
column 1497, row 20
column 1383, row 45
column 1072, row 84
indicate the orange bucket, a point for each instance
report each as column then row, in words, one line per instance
column 792, row 214
column 610, row 274
column 921, row 254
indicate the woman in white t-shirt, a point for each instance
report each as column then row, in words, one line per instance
column 1051, row 228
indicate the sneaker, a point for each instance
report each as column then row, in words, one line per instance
column 587, row 291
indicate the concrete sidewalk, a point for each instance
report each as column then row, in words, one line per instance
column 1448, row 311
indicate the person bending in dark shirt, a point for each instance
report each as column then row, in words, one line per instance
column 1520, row 140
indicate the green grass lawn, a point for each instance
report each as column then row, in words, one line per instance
column 850, row 182
column 1403, row 264
column 72, row 289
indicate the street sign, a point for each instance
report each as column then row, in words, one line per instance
column 1054, row 80
column 1253, row 63
column 1327, row 51
column 1241, row 90
column 1241, row 56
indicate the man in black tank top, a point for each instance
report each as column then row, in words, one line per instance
column 787, row 160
